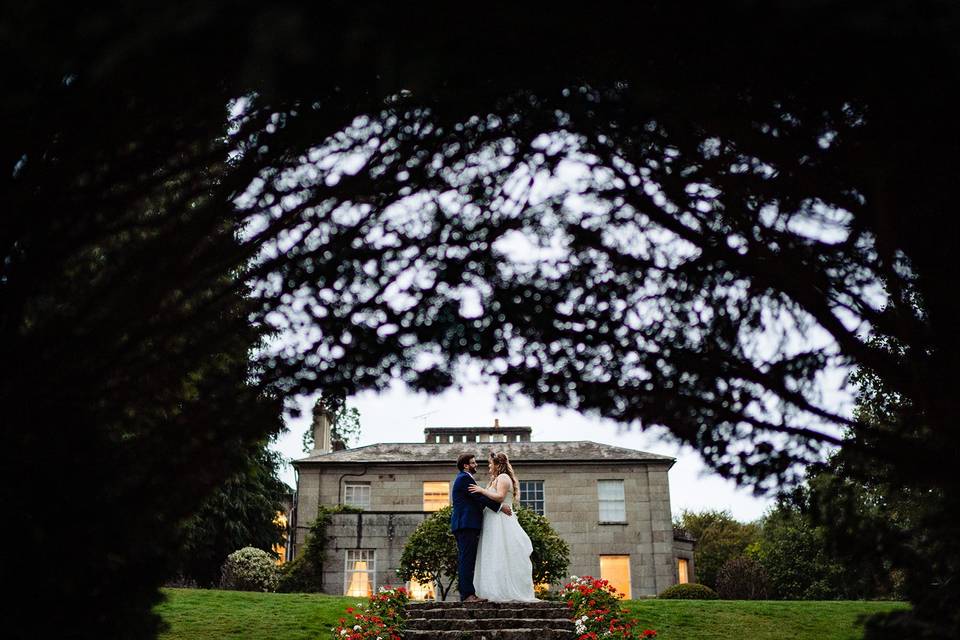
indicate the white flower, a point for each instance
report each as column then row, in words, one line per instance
column 356, row 627
column 344, row 632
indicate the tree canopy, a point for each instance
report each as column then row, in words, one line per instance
column 676, row 216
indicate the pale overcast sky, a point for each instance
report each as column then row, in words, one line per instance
column 392, row 417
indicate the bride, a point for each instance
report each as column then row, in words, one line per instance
column 503, row 571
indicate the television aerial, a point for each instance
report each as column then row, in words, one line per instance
column 424, row 416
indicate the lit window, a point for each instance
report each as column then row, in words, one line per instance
column 616, row 571
column 612, row 505
column 531, row 495
column 359, row 577
column 281, row 549
column 436, row 495
column 683, row 573
column 420, row 591
column 357, row 494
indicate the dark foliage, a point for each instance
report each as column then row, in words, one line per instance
column 719, row 538
column 688, row 591
column 742, row 578
column 733, row 177
column 241, row 513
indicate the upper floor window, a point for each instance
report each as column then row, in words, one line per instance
column 436, row 495
column 531, row 495
column 612, row 504
column 356, row 494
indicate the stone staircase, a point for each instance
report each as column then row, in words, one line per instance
column 488, row 621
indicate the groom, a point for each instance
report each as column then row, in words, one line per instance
column 466, row 522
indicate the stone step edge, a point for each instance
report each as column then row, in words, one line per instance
column 485, row 605
column 471, row 620
column 460, row 632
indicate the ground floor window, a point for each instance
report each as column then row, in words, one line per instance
column 616, row 571
column 421, row 591
column 436, row 495
column 683, row 571
column 359, row 573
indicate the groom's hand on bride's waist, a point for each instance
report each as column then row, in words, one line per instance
column 505, row 508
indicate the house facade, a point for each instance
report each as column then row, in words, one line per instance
column 610, row 504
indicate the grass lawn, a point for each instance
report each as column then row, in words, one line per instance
column 198, row 614
column 201, row 614
column 755, row 620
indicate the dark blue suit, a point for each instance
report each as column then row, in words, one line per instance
column 465, row 523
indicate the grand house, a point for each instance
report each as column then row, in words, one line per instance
column 610, row 504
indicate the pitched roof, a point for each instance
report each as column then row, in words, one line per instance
column 447, row 452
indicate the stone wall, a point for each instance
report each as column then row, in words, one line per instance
column 385, row 532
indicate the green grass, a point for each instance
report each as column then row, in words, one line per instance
column 755, row 620
column 198, row 614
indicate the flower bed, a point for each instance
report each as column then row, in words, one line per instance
column 596, row 612
column 382, row 618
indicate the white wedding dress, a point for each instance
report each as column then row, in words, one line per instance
column 503, row 571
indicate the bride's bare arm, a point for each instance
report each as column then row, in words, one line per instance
column 498, row 492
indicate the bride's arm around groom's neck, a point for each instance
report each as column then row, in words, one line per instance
column 499, row 490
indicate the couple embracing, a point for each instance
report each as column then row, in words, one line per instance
column 493, row 550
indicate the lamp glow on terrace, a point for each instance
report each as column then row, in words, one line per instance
column 421, row 591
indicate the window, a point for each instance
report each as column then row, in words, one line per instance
column 281, row 548
column 420, row 591
column 436, row 495
column 357, row 494
column 616, row 571
column 359, row 575
column 612, row 507
column 683, row 573
column 531, row 495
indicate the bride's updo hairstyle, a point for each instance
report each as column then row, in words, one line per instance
column 501, row 464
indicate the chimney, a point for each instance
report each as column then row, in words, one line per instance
column 322, row 424
column 496, row 423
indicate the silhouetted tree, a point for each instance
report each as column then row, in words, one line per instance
column 241, row 513
column 719, row 538
column 681, row 218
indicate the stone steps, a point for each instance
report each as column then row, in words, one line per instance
column 488, row 621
